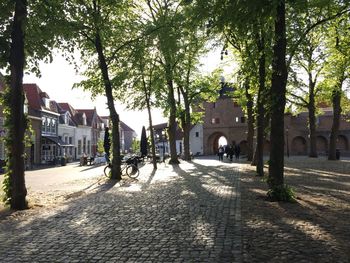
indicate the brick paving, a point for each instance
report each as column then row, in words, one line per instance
column 205, row 211
column 315, row 229
column 185, row 213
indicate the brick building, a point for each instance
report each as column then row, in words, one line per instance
column 225, row 118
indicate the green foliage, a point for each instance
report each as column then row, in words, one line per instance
column 284, row 194
column 100, row 148
column 135, row 146
column 5, row 100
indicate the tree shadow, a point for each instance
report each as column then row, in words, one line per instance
column 307, row 230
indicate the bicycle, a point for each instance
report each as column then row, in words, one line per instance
column 128, row 166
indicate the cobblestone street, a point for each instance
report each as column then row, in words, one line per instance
column 202, row 211
column 185, row 213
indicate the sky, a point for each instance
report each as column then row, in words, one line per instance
column 58, row 77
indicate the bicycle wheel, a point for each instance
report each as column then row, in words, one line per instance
column 132, row 171
column 107, row 171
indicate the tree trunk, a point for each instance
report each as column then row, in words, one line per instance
column 261, row 109
column 186, row 128
column 172, row 119
column 250, row 122
column 116, row 160
column 17, row 117
column 336, row 99
column 312, row 119
column 154, row 159
column 278, row 100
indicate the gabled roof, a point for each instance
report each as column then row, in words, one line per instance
column 160, row 126
column 163, row 126
column 35, row 98
column 89, row 113
column 76, row 118
column 125, row 127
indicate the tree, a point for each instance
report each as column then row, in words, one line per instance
column 278, row 100
column 17, row 190
column 337, row 73
column 103, row 30
column 309, row 59
column 189, row 82
column 24, row 40
column 146, row 83
column 169, row 17
column 143, row 142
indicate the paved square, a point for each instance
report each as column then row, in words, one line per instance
column 185, row 213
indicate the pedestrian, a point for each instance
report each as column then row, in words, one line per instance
column 237, row 151
column 221, row 153
column 227, row 151
column 231, row 152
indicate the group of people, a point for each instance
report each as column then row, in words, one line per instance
column 230, row 150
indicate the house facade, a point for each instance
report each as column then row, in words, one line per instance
column 128, row 135
column 85, row 136
column 45, row 145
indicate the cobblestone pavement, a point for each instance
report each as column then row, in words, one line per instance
column 185, row 213
column 315, row 229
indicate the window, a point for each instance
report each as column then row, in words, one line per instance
column 215, row 120
column 197, row 134
column 70, row 140
column 79, row 147
column 84, row 120
column 242, row 119
column 53, row 125
column 84, row 145
column 214, row 105
column 88, row 147
column 43, row 126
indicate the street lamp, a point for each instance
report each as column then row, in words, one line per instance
column 287, row 130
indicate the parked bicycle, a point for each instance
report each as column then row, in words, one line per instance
column 129, row 167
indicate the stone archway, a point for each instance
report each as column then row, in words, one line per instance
column 321, row 145
column 342, row 143
column 299, row 146
column 213, row 142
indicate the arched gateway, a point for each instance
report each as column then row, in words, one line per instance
column 213, row 142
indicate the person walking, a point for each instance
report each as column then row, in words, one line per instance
column 231, row 151
column 221, row 153
column 237, row 151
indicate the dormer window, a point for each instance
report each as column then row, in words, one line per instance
column 84, row 119
column 66, row 118
column 46, row 102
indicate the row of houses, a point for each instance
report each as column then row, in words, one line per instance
column 58, row 129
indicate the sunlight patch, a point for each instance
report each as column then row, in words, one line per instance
column 224, row 191
column 312, row 230
column 203, row 232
